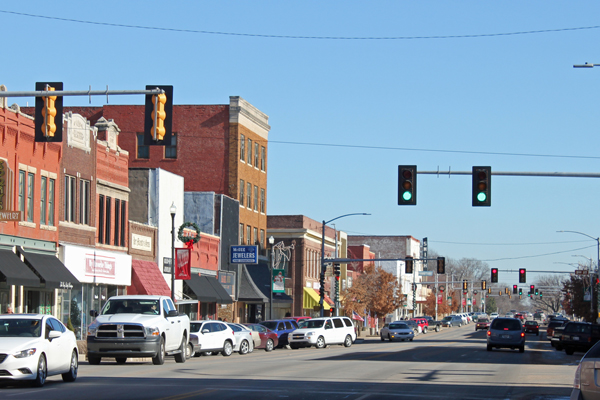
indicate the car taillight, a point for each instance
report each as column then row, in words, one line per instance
column 577, row 380
column 522, row 334
column 489, row 333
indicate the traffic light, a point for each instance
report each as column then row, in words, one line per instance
column 322, row 282
column 532, row 289
column 506, row 291
column 465, row 284
column 441, row 265
column 499, row 292
column 407, row 185
column 408, row 265
column 336, row 269
column 483, row 285
column 158, row 116
column 522, row 277
column 48, row 113
column 520, row 292
column 494, row 275
column 515, row 289
column 482, row 179
column 331, row 311
column 536, row 292
column 540, row 294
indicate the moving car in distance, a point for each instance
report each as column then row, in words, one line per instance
column 35, row 346
column 532, row 326
column 482, row 323
column 506, row 332
column 493, row 315
column 398, row 330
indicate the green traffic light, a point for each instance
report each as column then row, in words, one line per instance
column 481, row 196
column 407, row 196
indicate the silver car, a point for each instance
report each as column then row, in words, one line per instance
column 398, row 330
column 585, row 385
column 244, row 343
column 506, row 332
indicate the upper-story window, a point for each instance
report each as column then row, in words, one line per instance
column 142, row 151
column 84, row 202
column 171, row 151
column 255, row 198
column 262, row 200
column 22, row 189
column 248, row 235
column 44, row 201
column 30, row 185
column 256, row 154
column 242, row 148
column 263, row 158
column 242, row 192
column 249, row 195
column 69, row 199
column 241, row 233
column 51, row 184
column 249, row 158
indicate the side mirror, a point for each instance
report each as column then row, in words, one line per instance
column 54, row 334
column 173, row 313
column 205, row 331
column 93, row 313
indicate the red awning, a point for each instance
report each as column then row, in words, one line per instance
column 146, row 278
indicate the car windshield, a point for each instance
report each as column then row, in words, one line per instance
column 312, row 323
column 447, row 318
column 272, row 325
column 131, row 306
column 399, row 326
column 25, row 327
column 530, row 323
column 480, row 319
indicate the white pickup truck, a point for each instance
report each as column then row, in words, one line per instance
column 138, row 326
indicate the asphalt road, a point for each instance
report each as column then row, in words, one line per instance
column 451, row 364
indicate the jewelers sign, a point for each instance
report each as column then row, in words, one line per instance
column 244, row 254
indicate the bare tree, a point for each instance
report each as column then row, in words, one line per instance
column 551, row 286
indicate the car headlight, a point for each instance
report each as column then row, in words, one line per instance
column 152, row 331
column 310, row 334
column 24, row 353
column 92, row 330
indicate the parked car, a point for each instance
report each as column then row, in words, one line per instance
column 579, row 336
column 298, row 319
column 413, row 325
column 586, row 385
column 532, row 326
column 35, row 346
column 320, row 332
column 493, row 315
column 506, row 332
column 211, row 336
column 482, row 323
column 422, row 324
column 282, row 327
column 552, row 325
column 268, row 338
column 244, row 343
column 397, row 330
column 432, row 324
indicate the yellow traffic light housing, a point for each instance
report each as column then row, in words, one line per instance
column 158, row 116
column 48, row 113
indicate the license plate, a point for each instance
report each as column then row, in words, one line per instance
column 575, row 337
column 505, row 336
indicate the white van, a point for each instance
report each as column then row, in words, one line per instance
column 320, row 332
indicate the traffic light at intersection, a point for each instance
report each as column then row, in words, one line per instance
column 532, row 289
column 441, row 265
column 158, row 116
column 48, row 113
column 408, row 265
column 336, row 269
column 483, row 285
column 494, row 275
column 520, row 291
column 465, row 284
column 522, row 276
column 515, row 289
column 407, row 185
column 482, row 180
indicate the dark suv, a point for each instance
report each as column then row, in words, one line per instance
column 506, row 332
column 579, row 336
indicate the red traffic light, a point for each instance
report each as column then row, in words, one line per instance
column 522, row 276
column 494, row 275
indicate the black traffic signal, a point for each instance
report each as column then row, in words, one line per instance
column 158, row 116
column 540, row 294
column 336, row 269
column 465, row 284
column 482, row 179
column 520, row 291
column 48, row 113
column 483, row 285
column 531, row 289
column 494, row 275
column 322, row 282
column 441, row 265
column 408, row 265
column 522, row 276
column 489, row 290
column 536, row 292
column 515, row 289
column 506, row 291
column 407, row 185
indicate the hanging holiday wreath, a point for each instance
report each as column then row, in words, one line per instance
column 186, row 239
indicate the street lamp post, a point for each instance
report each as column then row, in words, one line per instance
column 591, row 281
column 323, row 268
column 271, row 242
column 597, row 266
column 173, row 211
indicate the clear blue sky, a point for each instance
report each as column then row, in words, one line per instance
column 446, row 102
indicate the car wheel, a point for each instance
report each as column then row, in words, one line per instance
column 94, row 360
column 190, row 350
column 269, row 345
column 244, row 347
column 559, row 348
column 569, row 351
column 424, row 329
column 181, row 356
column 522, row 349
column 348, row 341
column 320, row 342
column 159, row 359
column 42, row 372
column 227, row 349
column 121, row 360
column 382, row 338
column 537, row 334
column 410, row 340
column 459, row 325
column 489, row 347
column 73, row 368
column 437, row 328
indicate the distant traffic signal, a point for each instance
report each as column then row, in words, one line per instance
column 494, row 275
column 441, row 265
column 482, row 180
column 158, row 116
column 465, row 284
column 536, row 292
column 532, row 289
column 506, row 291
column 48, row 113
column 522, row 277
column 540, row 294
column 489, row 290
column 520, row 291
column 408, row 265
column 407, row 185
column 515, row 289
column 483, row 285
column 336, row 269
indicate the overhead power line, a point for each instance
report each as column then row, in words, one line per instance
column 271, row 36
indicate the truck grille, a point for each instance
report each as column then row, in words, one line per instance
column 121, row 331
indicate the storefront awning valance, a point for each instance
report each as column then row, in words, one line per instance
column 15, row 271
column 51, row 269
column 312, row 299
column 146, row 278
column 208, row 290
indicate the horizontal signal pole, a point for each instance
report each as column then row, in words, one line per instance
column 538, row 174
column 45, row 93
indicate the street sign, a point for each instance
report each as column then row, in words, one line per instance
column 167, row 265
column 425, row 273
column 581, row 272
column 442, row 288
column 244, row 255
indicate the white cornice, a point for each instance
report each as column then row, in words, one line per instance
column 243, row 113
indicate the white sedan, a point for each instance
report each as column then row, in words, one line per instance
column 35, row 346
column 244, row 343
column 398, row 330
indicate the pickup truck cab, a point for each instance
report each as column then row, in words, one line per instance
column 138, row 326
